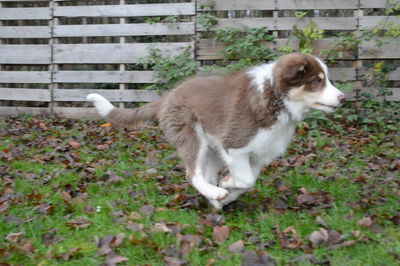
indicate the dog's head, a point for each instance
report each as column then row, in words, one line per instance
column 303, row 79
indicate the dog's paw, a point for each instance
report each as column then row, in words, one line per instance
column 216, row 204
column 227, row 182
column 218, row 194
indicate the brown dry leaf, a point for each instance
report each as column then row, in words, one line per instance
column 68, row 255
column 79, row 223
column 74, row 144
column 161, row 227
column 347, row 243
column 134, row 227
column 288, row 238
column 329, row 237
column 173, row 261
column 4, row 207
column 135, row 216
column 103, row 147
column 236, row 247
column 42, row 126
column 147, row 210
column 113, row 258
column 251, row 258
column 365, row 222
column 188, row 242
column 66, row 196
column 13, row 237
column 220, row 233
column 311, row 199
column 26, row 246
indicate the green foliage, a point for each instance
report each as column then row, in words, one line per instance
column 394, row 9
column 210, row 4
column 247, row 46
column 207, row 21
column 168, row 19
column 169, row 70
column 307, row 36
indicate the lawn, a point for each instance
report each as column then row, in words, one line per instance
column 85, row 193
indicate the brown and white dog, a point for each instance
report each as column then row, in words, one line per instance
column 242, row 120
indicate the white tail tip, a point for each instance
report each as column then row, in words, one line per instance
column 101, row 104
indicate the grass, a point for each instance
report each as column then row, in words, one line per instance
column 62, row 196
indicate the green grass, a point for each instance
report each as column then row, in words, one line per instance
column 37, row 164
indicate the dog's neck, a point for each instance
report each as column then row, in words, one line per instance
column 296, row 110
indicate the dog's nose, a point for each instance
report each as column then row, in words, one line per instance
column 341, row 98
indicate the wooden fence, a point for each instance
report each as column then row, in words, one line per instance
column 53, row 53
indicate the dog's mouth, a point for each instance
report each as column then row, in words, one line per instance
column 327, row 106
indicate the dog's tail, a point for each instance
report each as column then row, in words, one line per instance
column 124, row 117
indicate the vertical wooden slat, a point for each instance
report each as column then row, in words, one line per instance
column 53, row 68
column 122, row 86
column 358, row 64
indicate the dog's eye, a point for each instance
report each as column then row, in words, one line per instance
column 317, row 81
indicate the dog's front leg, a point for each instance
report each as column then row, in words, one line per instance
column 241, row 176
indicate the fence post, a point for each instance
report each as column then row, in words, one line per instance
column 358, row 64
column 53, row 67
column 122, row 68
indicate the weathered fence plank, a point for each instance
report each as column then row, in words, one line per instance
column 235, row 5
column 390, row 49
column 25, row 32
column 25, row 54
column 126, row 10
column 24, row 77
column 110, row 53
column 374, row 4
column 79, row 95
column 286, row 23
column 317, row 4
column 373, row 21
column 208, row 49
column 25, row 13
column 104, row 77
column 139, row 29
column 12, row 94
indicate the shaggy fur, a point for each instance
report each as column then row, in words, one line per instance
column 242, row 120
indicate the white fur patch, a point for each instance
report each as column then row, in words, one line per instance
column 101, row 104
column 260, row 74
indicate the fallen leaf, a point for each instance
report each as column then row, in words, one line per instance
column 147, row 210
column 365, row 222
column 105, row 125
column 311, row 258
column 236, row 247
column 79, row 223
column 13, row 237
column 42, row 126
column 220, row 233
column 161, row 227
column 68, row 255
column 172, row 261
column 135, row 216
column 134, row 227
column 65, row 196
column 188, row 242
column 113, row 258
column 74, row 144
column 251, row 258
column 288, row 238
column 103, row 147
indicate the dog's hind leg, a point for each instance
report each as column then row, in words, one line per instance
column 204, row 178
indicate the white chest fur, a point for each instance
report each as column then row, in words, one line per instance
column 268, row 144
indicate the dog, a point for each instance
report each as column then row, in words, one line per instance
column 242, row 120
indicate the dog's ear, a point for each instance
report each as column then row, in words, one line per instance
column 295, row 67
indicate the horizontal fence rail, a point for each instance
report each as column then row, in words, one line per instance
column 53, row 53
